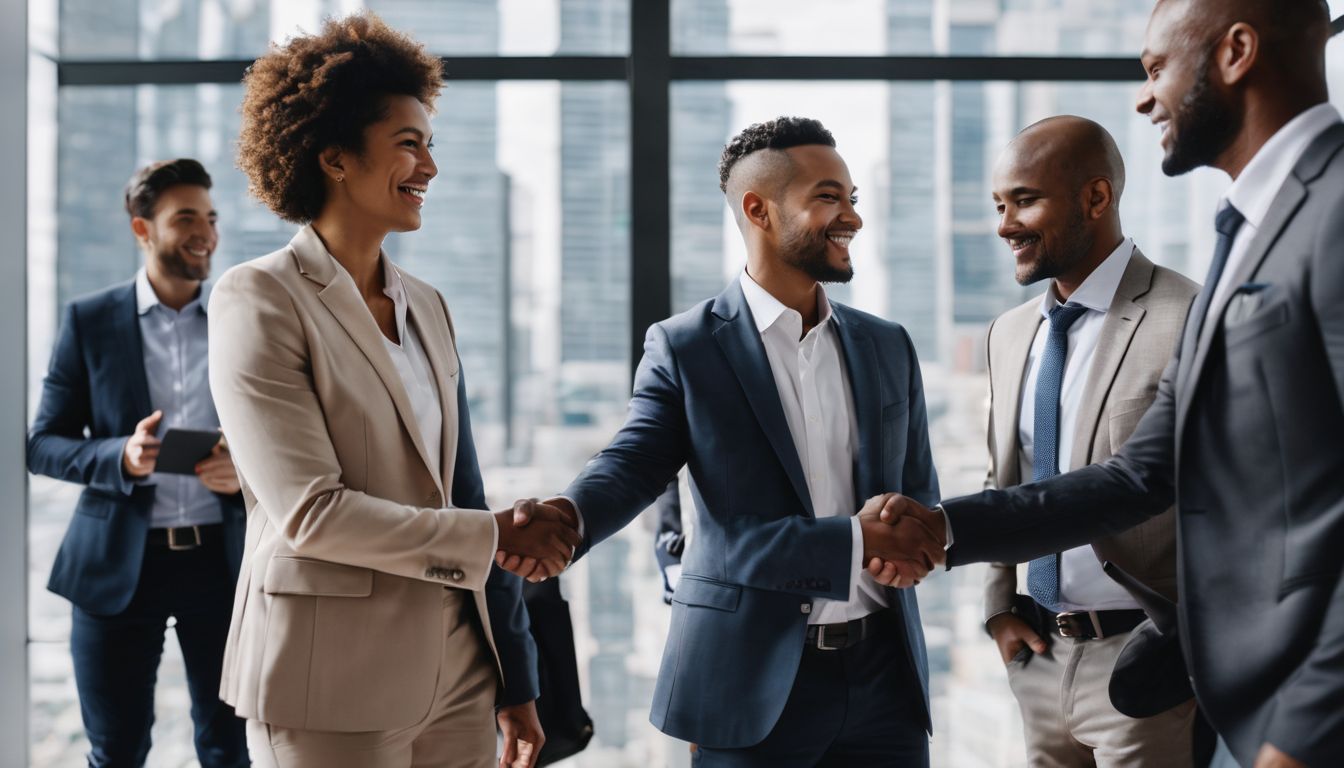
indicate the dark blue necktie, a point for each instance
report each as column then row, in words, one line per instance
column 1043, row 572
column 1227, row 222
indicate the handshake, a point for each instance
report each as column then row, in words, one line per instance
column 902, row 539
column 536, row 538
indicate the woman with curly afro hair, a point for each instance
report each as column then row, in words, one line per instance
column 370, row 625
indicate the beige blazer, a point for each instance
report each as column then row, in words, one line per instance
column 338, row 610
column 1140, row 334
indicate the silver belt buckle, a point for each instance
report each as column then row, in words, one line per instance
column 1069, row 624
column 821, row 640
column 173, row 543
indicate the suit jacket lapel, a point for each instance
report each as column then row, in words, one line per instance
column 861, row 364
column 342, row 299
column 1117, row 331
column 443, row 360
column 1286, row 204
column 127, row 324
column 742, row 346
column 1018, row 334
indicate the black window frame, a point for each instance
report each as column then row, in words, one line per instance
column 649, row 71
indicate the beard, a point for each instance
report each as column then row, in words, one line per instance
column 174, row 264
column 1075, row 242
column 1204, row 126
column 807, row 251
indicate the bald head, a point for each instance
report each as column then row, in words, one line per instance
column 1075, row 149
column 1057, row 191
column 1292, row 33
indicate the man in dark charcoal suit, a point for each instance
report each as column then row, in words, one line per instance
column 1247, row 432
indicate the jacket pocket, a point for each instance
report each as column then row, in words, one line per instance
column 693, row 590
column 301, row 576
column 1264, row 319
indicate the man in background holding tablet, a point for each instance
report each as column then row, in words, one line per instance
column 143, row 546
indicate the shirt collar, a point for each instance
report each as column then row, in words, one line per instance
column 1098, row 290
column 395, row 290
column 766, row 309
column 1255, row 189
column 146, row 299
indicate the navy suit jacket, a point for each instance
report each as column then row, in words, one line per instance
column 704, row 396
column 94, row 395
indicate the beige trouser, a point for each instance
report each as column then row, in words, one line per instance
column 1069, row 720
column 458, row 731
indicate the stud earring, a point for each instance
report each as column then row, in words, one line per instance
column 340, row 178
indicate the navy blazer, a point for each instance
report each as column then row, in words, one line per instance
column 94, row 394
column 704, row 396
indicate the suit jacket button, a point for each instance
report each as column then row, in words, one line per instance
column 458, row 575
column 805, row 607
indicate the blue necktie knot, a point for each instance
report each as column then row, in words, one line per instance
column 1228, row 221
column 1063, row 316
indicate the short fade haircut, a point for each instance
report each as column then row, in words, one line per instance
column 319, row 91
column 149, row 183
column 780, row 133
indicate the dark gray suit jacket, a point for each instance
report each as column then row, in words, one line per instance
column 1247, row 436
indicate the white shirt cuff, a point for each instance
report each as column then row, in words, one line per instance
column 855, row 558
column 577, row 513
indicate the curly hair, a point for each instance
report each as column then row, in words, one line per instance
column 320, row 91
column 780, row 133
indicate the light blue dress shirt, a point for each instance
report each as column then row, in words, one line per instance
column 179, row 385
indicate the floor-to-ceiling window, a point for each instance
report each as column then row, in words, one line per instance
column 578, row 201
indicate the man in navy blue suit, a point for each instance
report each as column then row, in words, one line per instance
column 789, row 411
column 144, row 546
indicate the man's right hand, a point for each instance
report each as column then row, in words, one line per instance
column 536, row 539
column 906, row 545
column 142, row 448
column 1011, row 633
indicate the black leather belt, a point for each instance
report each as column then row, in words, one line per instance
column 835, row 637
column 1096, row 625
column 186, row 537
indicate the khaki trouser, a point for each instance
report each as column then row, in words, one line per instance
column 1069, row 720
column 458, row 731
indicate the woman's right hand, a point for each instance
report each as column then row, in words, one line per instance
column 536, row 540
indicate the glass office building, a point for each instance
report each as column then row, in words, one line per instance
column 549, row 220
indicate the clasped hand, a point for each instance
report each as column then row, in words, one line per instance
column 536, row 539
column 902, row 539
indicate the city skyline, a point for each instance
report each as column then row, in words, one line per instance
column 527, row 234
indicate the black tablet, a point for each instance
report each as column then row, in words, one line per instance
column 183, row 449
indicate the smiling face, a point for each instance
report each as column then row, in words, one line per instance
column 387, row 181
column 180, row 237
column 1041, row 217
column 1198, row 120
column 816, row 215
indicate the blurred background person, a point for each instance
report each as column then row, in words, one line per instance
column 144, row 547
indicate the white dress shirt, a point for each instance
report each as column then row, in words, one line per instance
column 412, row 364
column 176, row 371
column 1083, row 586
column 813, row 385
column 1254, row 190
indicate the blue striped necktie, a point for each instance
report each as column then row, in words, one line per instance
column 1043, row 572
